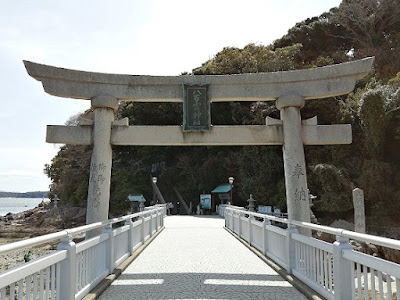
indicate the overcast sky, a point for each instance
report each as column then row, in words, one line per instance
column 141, row 37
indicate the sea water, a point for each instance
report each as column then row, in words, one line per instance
column 16, row 205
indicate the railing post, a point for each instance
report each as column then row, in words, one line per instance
column 265, row 236
column 130, row 235
column 228, row 219
column 151, row 225
column 109, row 248
column 157, row 220
column 342, row 269
column 143, row 233
column 290, row 248
column 225, row 220
column 68, row 270
column 232, row 220
column 240, row 225
column 250, row 231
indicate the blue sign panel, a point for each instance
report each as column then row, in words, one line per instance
column 205, row 201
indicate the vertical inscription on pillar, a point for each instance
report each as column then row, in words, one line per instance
column 297, row 171
column 359, row 210
column 97, row 179
column 196, row 108
column 300, row 195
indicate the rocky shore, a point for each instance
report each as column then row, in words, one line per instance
column 44, row 219
column 367, row 248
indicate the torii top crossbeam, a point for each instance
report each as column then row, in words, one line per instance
column 313, row 83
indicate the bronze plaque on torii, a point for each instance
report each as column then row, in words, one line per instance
column 196, row 108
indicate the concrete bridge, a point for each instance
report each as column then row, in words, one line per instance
column 195, row 258
column 242, row 255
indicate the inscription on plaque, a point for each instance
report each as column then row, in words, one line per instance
column 196, row 108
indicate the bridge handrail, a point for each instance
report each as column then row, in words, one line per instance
column 74, row 269
column 376, row 240
column 334, row 270
column 69, row 232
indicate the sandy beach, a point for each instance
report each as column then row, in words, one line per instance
column 16, row 258
column 35, row 222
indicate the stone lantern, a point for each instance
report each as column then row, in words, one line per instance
column 251, row 205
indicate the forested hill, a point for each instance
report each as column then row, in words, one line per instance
column 24, row 195
column 354, row 30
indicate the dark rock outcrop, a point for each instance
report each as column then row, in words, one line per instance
column 41, row 220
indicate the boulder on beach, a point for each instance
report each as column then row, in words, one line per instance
column 41, row 220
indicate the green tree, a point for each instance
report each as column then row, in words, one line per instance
column 373, row 28
column 322, row 43
column 251, row 59
column 69, row 173
column 334, row 189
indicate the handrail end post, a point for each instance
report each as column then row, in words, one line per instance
column 130, row 235
column 68, row 269
column 342, row 268
column 266, row 222
column 290, row 248
column 109, row 248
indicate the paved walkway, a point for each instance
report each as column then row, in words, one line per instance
column 195, row 258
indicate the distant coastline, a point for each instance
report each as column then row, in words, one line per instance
column 37, row 194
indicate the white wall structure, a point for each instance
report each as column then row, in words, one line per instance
column 290, row 90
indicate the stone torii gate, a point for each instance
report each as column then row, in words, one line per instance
column 289, row 89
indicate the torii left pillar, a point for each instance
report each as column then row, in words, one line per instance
column 101, row 161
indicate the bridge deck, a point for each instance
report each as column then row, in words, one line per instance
column 195, row 258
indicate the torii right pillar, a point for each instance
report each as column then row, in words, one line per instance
column 294, row 160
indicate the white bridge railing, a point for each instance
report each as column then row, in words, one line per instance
column 335, row 271
column 74, row 270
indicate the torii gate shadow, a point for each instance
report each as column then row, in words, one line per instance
column 200, row 286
